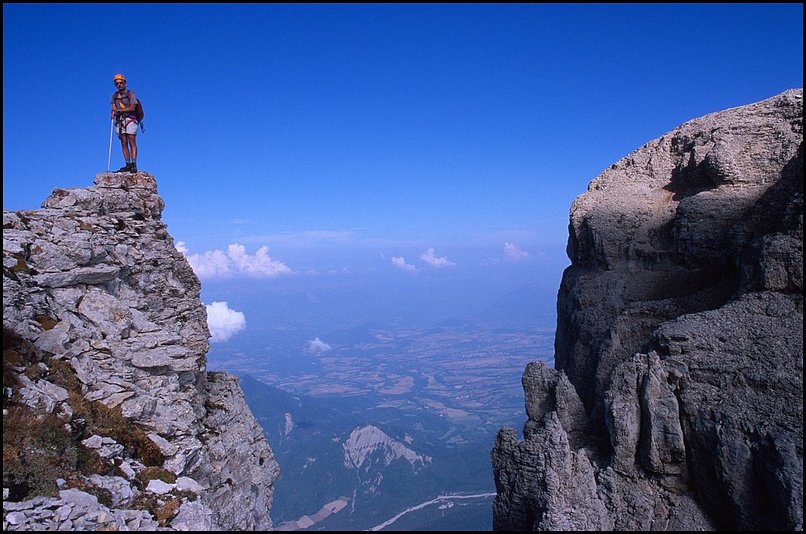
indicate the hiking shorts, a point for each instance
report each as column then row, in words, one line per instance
column 129, row 126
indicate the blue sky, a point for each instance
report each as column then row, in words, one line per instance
column 347, row 137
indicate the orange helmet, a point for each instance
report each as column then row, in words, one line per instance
column 118, row 77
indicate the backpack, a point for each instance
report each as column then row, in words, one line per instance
column 138, row 111
column 139, row 114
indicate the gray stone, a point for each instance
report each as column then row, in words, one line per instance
column 78, row 498
column 79, row 275
column 159, row 487
column 194, row 517
column 53, row 341
column 119, row 487
column 188, row 484
column 100, row 263
column 680, row 328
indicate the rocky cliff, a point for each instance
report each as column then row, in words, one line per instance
column 676, row 401
column 110, row 419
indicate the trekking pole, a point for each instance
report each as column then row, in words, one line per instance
column 109, row 160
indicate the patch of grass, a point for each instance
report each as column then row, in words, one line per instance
column 38, row 449
column 46, row 321
column 167, row 511
column 20, row 266
column 156, row 473
column 17, row 353
column 97, row 418
column 164, row 508
column 212, row 406
column 62, row 374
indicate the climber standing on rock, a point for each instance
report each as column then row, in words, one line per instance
column 124, row 103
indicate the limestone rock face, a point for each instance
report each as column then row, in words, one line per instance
column 680, row 331
column 93, row 280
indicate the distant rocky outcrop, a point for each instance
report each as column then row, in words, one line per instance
column 110, row 419
column 676, row 402
column 369, row 444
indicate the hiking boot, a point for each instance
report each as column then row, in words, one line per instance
column 132, row 167
column 125, row 168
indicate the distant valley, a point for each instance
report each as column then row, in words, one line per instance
column 371, row 421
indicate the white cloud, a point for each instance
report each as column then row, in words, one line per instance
column 223, row 322
column 400, row 263
column 260, row 264
column 514, row 253
column 317, row 345
column 433, row 261
column 234, row 262
column 211, row 264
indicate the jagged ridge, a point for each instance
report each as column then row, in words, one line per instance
column 676, row 402
column 93, row 284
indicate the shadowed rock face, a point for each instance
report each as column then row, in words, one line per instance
column 93, row 281
column 676, row 401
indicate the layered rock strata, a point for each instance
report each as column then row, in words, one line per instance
column 676, row 401
column 93, row 281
